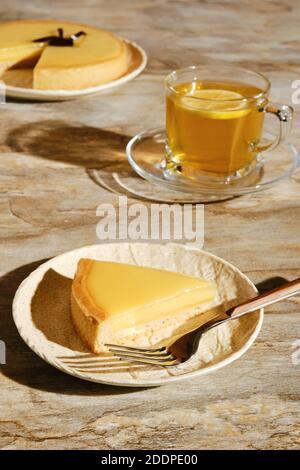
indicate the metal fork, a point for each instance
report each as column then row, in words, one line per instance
column 184, row 348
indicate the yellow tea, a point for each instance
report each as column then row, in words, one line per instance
column 214, row 127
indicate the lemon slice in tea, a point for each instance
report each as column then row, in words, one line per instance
column 216, row 104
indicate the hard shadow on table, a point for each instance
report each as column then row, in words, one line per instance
column 72, row 143
column 77, row 144
column 22, row 365
column 271, row 283
column 101, row 152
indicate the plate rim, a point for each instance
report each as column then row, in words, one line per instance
column 171, row 379
column 40, row 95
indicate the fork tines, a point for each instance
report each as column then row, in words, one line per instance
column 159, row 356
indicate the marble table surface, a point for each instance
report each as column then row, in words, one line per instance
column 48, row 205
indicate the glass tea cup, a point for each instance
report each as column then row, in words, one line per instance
column 214, row 121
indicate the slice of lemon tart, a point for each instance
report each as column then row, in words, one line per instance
column 133, row 305
column 63, row 56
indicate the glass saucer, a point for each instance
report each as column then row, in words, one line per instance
column 146, row 155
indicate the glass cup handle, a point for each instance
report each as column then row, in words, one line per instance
column 285, row 115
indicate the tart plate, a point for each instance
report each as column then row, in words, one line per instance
column 10, row 83
column 45, row 294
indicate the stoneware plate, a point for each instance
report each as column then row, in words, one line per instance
column 18, row 83
column 41, row 314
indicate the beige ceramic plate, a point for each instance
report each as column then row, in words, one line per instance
column 41, row 314
column 18, row 83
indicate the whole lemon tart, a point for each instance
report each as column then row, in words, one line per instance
column 63, row 55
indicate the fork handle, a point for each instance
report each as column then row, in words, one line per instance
column 282, row 292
